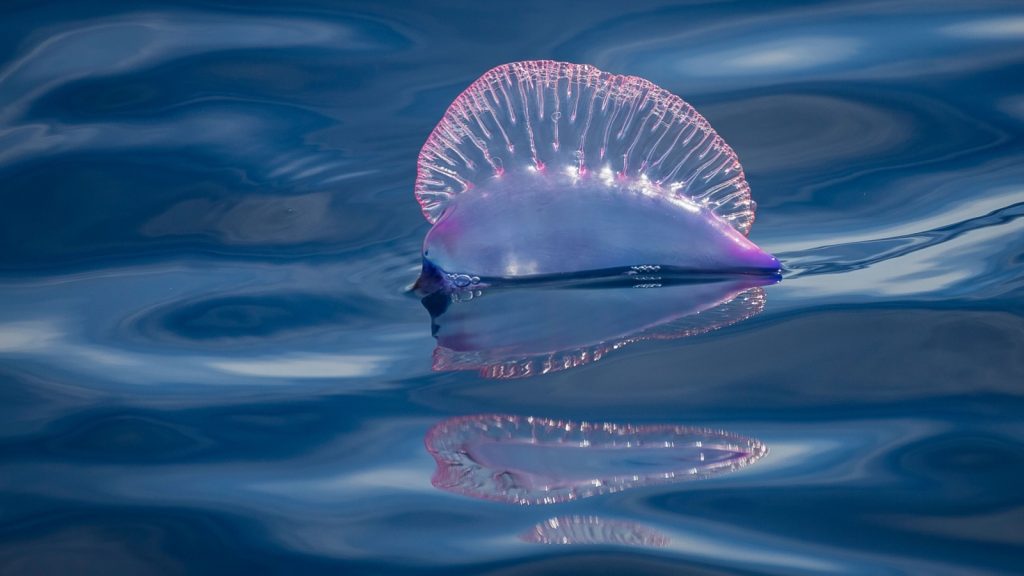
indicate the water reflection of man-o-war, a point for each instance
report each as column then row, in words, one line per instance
column 530, row 331
column 527, row 460
column 593, row 530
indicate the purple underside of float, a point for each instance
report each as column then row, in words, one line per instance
column 539, row 224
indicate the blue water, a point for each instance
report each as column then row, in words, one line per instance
column 210, row 362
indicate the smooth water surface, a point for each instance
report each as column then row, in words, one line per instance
column 210, row 362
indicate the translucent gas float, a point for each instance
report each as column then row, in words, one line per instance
column 544, row 168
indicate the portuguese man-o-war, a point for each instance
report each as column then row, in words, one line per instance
column 527, row 460
column 545, row 168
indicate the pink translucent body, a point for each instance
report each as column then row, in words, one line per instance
column 523, row 228
column 526, row 460
column 542, row 168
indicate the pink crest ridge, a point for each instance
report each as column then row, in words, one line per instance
column 569, row 122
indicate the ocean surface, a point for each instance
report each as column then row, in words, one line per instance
column 211, row 361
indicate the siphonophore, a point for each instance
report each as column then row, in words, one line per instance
column 527, row 460
column 548, row 327
column 544, row 168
